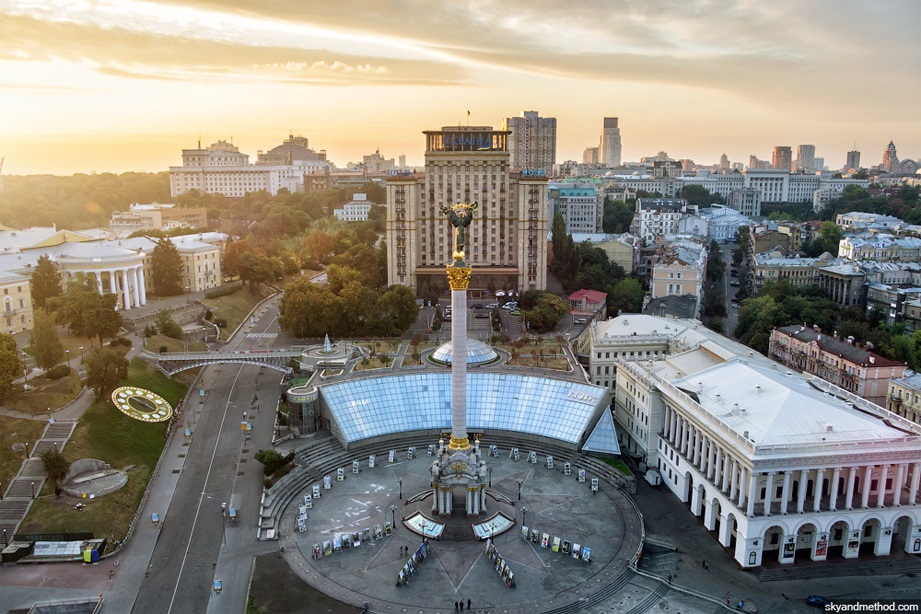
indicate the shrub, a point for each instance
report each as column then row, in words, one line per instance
column 58, row 372
column 209, row 314
column 124, row 341
column 223, row 291
column 164, row 349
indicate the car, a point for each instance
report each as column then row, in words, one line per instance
column 580, row 320
column 492, row 306
column 734, row 283
column 476, row 306
column 515, row 312
column 735, row 305
column 816, row 601
column 734, row 273
column 481, row 314
column 510, row 306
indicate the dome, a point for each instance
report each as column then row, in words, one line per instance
column 478, row 353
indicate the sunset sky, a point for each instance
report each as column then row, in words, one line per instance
column 122, row 85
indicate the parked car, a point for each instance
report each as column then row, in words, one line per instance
column 816, row 601
column 481, row 314
column 734, row 283
column 492, row 306
column 580, row 321
column 476, row 306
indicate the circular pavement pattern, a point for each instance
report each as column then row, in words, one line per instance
column 141, row 404
column 556, row 504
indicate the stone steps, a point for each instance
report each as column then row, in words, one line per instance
column 907, row 564
column 22, row 488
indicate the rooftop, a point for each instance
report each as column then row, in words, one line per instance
column 843, row 349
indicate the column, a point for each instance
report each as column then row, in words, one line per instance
column 881, row 491
column 865, row 487
column 143, row 285
column 99, row 280
column 899, row 483
column 696, row 445
column 136, row 296
column 835, row 478
column 849, row 495
column 913, row 489
column 752, row 484
column 801, row 493
column 743, row 486
column 734, row 480
column 126, row 291
column 725, row 472
column 769, row 493
column 113, row 282
column 817, row 495
column 680, row 435
column 785, row 493
column 717, row 466
column 665, row 422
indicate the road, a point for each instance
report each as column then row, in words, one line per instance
column 218, row 468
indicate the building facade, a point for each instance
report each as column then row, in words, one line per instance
column 782, row 159
column 904, row 397
column 855, row 369
column 156, row 216
column 356, row 210
column 658, row 216
column 580, row 203
column 507, row 245
column 610, row 149
column 531, row 141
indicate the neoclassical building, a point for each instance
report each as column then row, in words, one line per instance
column 775, row 463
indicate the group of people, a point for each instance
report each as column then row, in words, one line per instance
column 459, row 605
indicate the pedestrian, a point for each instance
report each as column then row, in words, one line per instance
column 703, row 563
column 456, row 609
column 728, row 601
column 706, row 567
column 462, row 605
column 468, row 605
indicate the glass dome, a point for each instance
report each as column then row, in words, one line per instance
column 478, row 353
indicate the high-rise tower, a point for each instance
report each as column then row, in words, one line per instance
column 890, row 158
column 805, row 157
column 610, row 147
column 782, row 158
column 531, row 141
column 852, row 161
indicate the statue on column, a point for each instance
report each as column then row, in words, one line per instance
column 460, row 216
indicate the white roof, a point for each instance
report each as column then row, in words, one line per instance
column 779, row 409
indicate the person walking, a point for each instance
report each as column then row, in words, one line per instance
column 468, row 604
column 456, row 608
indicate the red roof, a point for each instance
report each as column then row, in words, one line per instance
column 592, row 296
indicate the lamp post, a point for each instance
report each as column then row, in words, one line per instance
column 224, row 522
column 489, row 474
column 33, row 490
column 81, row 355
column 393, row 516
column 400, row 482
column 520, row 482
column 524, row 516
column 67, row 357
column 5, row 543
column 1, row 491
column 27, row 449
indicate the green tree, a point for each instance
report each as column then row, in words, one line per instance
column 255, row 269
column 618, row 216
column 45, row 282
column 167, row 326
column 830, row 235
column 396, row 310
column 166, row 268
column 10, row 364
column 104, row 368
column 56, row 466
column 547, row 313
column 45, row 342
column 626, row 296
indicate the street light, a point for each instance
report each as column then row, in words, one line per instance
column 33, row 490
column 224, row 522
column 400, row 482
column 393, row 516
column 520, row 482
column 489, row 473
column 67, row 357
column 5, row 543
column 524, row 516
column 81, row 355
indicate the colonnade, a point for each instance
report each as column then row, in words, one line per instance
column 127, row 282
column 443, row 501
column 722, row 467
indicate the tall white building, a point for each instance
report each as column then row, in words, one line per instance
column 507, row 239
column 531, row 141
column 580, row 203
column 658, row 216
column 222, row 169
column 609, row 149
column 805, row 158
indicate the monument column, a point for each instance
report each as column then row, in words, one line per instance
column 459, row 278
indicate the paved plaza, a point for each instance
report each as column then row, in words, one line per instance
column 559, row 505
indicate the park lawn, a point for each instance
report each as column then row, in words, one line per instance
column 234, row 308
column 15, row 430
column 155, row 342
column 377, row 362
column 107, row 434
column 619, row 465
column 108, row 516
column 44, row 394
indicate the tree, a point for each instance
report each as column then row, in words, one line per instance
column 547, row 312
column 320, row 245
column 626, row 296
column 618, row 216
column 255, row 269
column 56, row 466
column 84, row 311
column 700, row 196
column 166, row 268
column 104, row 368
column 10, row 364
column 45, row 342
column 167, row 326
column 396, row 310
column 45, row 282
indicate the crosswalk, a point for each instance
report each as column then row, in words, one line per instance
column 261, row 335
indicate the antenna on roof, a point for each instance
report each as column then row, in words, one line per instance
column 199, row 140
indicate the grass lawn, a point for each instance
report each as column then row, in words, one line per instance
column 15, row 430
column 154, row 343
column 234, row 308
column 619, row 465
column 378, row 362
column 106, row 516
column 379, row 346
column 45, row 393
column 109, row 435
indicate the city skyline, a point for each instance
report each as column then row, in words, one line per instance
column 122, row 85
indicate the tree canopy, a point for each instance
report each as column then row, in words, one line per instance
column 104, row 368
column 45, row 282
column 166, row 268
column 46, row 345
column 10, row 364
column 84, row 311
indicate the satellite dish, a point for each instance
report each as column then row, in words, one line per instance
column 19, row 447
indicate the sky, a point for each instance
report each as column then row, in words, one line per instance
column 125, row 85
